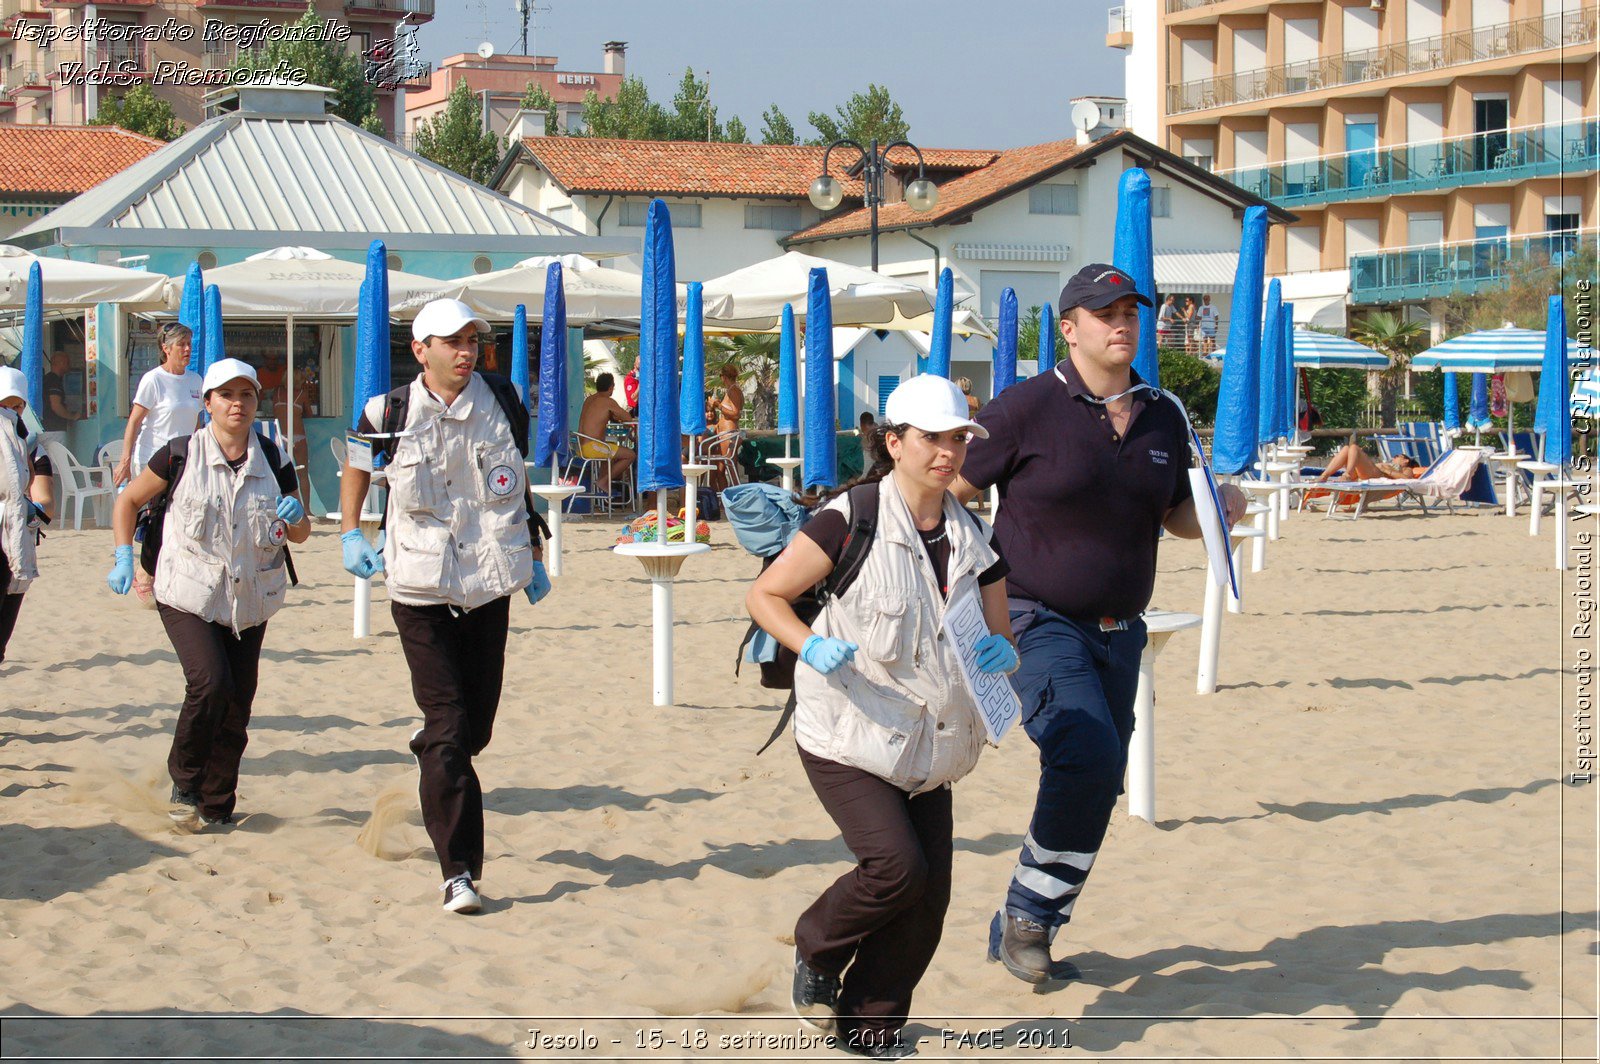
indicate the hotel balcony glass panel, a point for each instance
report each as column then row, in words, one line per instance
column 1445, row 269
column 1434, row 166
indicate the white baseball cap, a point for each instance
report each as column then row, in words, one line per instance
column 444, row 317
column 931, row 403
column 13, row 383
column 224, row 370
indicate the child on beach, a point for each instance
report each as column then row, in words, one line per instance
column 883, row 721
column 25, row 501
column 231, row 511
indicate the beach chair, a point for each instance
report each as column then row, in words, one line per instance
column 722, row 453
column 79, row 483
column 590, row 474
column 1447, row 480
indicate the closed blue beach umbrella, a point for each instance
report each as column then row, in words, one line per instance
column 1452, row 403
column 1288, row 407
column 1478, row 412
column 692, row 401
column 1269, row 400
column 214, row 351
column 1005, row 351
column 1234, row 444
column 821, row 450
column 660, row 464
column 1047, row 337
column 939, row 340
column 519, row 351
column 551, row 444
column 191, row 310
column 788, row 376
column 1134, row 253
column 33, row 340
column 1553, row 416
column 372, row 332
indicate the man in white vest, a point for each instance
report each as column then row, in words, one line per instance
column 457, row 547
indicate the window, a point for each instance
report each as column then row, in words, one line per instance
column 783, row 216
column 1303, row 248
column 684, row 215
column 886, row 385
column 1160, row 202
column 1053, row 199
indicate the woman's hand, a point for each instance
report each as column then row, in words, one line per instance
column 997, row 654
column 122, row 472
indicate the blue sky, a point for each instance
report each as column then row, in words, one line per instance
column 968, row 75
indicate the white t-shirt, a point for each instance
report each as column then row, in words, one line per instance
column 1208, row 319
column 174, row 405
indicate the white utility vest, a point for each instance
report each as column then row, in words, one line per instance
column 222, row 543
column 458, row 519
column 17, row 540
column 900, row 709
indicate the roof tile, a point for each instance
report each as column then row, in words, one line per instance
column 66, row 160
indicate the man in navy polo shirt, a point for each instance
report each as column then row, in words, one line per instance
column 1091, row 464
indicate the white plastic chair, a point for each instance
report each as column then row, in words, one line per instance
column 107, row 458
column 722, row 452
column 78, row 483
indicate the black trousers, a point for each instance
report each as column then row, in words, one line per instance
column 10, row 606
column 880, row 923
column 457, row 662
column 219, row 672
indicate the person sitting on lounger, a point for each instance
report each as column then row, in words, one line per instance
column 1352, row 463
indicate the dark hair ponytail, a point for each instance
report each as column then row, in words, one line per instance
column 874, row 446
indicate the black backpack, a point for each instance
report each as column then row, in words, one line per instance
column 151, row 522
column 397, row 407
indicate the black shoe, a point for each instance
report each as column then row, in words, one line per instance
column 216, row 821
column 876, row 1045
column 185, row 805
column 814, row 995
column 1022, row 945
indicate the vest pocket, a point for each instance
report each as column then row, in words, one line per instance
column 269, row 532
column 418, row 558
column 891, row 617
column 416, row 482
column 877, row 731
column 502, row 479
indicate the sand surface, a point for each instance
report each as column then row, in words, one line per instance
column 1365, row 846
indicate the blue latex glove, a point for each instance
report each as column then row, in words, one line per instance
column 359, row 557
column 997, row 655
column 290, row 510
column 540, row 586
column 824, row 653
column 120, row 578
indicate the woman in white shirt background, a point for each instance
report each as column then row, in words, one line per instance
column 166, row 405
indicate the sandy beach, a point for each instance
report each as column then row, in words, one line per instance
column 1365, row 845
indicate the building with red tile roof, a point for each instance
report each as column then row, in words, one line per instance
column 41, row 167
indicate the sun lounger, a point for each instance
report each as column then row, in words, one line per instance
column 1446, row 480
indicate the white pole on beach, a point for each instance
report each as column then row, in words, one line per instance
column 289, row 416
column 787, row 463
column 1210, row 635
column 692, row 472
column 363, row 613
column 1159, row 627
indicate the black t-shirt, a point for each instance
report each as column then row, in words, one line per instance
column 828, row 529
column 1080, row 506
column 54, row 385
column 161, row 466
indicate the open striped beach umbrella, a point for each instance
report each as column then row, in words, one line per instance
column 1318, row 350
column 1507, row 349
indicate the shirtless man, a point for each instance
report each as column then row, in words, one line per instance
column 599, row 411
column 1352, row 463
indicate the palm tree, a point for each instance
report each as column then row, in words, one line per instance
column 1390, row 334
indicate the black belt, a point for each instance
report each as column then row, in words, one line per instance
column 1104, row 624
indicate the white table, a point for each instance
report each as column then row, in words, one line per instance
column 1280, row 473
column 1260, row 511
column 692, row 472
column 1508, row 462
column 788, row 464
column 661, row 564
column 1239, row 534
column 556, row 496
column 1160, row 624
column 1272, row 489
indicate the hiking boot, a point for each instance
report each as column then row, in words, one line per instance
column 459, row 895
column 814, row 995
column 1022, row 945
column 215, row 821
column 876, row 1045
column 184, row 805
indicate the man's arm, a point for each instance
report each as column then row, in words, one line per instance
column 615, row 413
column 963, row 491
column 1182, row 520
column 353, row 485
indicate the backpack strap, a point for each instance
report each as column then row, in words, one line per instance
column 783, row 722
column 857, row 542
column 275, row 460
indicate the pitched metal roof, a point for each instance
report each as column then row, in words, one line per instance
column 259, row 180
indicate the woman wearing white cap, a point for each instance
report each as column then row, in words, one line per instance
column 220, row 577
column 883, row 721
column 165, row 405
column 25, row 501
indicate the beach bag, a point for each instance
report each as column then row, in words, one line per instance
column 151, row 522
column 709, row 505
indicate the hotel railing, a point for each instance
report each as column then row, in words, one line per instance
column 1386, row 61
column 1437, row 270
column 1427, row 166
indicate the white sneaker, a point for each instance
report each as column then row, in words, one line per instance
column 459, row 895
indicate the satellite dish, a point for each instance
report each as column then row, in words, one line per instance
column 1085, row 115
column 485, row 50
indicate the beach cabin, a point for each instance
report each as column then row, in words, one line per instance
column 280, row 171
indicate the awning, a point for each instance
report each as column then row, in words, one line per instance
column 1319, row 297
column 1013, row 252
column 1195, row 271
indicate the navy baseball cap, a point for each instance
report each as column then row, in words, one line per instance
column 1097, row 285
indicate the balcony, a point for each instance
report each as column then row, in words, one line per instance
column 421, row 8
column 1427, row 166
column 1440, row 270
column 1387, row 61
column 1175, row 6
column 1119, row 28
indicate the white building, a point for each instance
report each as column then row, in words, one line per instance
column 1025, row 218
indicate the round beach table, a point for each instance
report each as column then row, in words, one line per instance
column 1508, row 462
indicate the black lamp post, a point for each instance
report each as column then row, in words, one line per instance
column 826, row 193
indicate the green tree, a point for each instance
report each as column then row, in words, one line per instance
column 629, row 115
column 734, row 132
column 1521, row 297
column 776, row 127
column 1390, row 334
column 1194, row 381
column 327, row 63
column 693, row 115
column 455, row 137
column 863, row 117
column 538, row 98
column 140, row 111
column 756, row 357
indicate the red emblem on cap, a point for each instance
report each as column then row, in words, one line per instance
column 1114, row 279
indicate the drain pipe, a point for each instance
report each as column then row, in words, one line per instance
column 602, row 215
column 931, row 247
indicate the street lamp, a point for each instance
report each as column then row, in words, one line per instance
column 826, row 193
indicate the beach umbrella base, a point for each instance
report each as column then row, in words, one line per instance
column 556, row 495
column 661, row 564
column 1160, row 625
column 788, row 465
